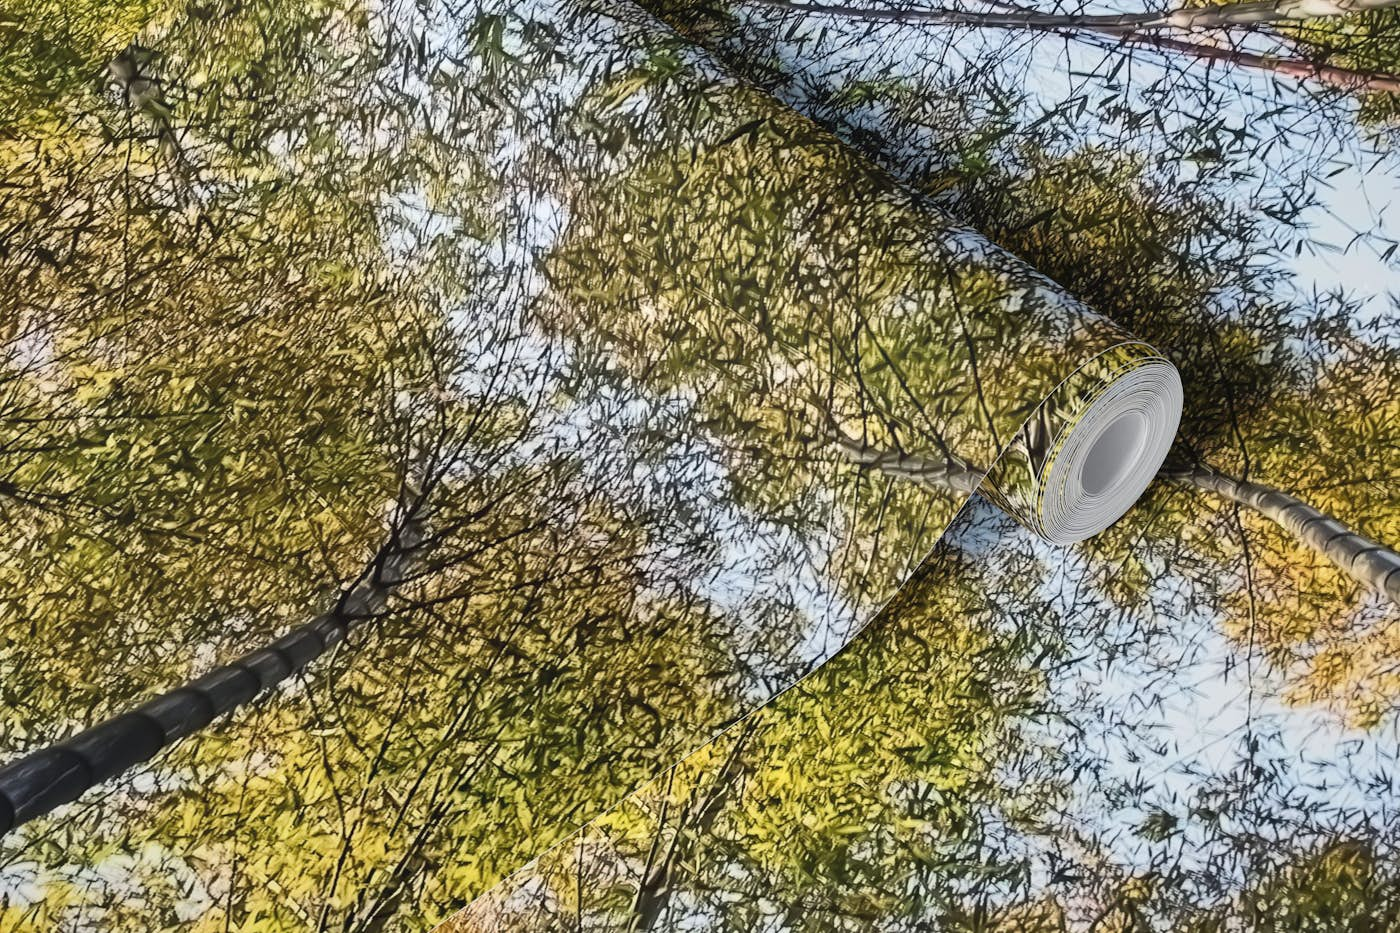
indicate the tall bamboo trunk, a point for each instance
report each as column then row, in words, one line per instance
column 52, row 776
column 658, row 883
column 1370, row 563
column 950, row 474
column 1142, row 29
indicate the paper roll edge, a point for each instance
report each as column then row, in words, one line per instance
column 1092, row 447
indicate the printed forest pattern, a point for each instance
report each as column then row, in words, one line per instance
column 423, row 425
column 804, row 848
column 1056, row 225
column 769, row 205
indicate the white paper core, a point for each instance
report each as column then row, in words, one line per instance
column 1110, row 455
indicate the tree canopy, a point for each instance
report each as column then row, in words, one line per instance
column 284, row 276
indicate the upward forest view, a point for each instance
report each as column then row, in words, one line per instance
column 581, row 465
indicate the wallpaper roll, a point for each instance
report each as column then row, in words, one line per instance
column 833, row 331
column 1092, row 446
column 864, row 316
column 722, row 385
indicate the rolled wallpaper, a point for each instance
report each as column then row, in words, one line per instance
column 861, row 316
column 833, row 330
column 650, row 392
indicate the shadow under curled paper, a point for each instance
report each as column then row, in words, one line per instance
column 650, row 394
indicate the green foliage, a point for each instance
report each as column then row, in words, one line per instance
column 1344, row 886
column 257, row 285
column 1368, row 42
column 54, row 55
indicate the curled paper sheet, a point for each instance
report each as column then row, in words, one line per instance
column 879, row 793
column 861, row 362
column 537, row 434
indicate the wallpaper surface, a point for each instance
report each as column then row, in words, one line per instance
column 423, row 425
column 1183, row 725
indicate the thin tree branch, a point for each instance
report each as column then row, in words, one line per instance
column 1347, row 79
column 1215, row 16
